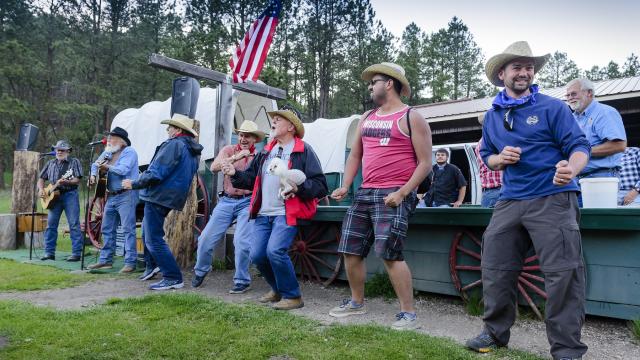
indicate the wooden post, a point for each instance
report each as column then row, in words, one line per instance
column 25, row 171
column 178, row 227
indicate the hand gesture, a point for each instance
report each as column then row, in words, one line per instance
column 394, row 199
column 510, row 155
column 456, row 204
column 127, row 184
column 228, row 169
column 339, row 193
column 92, row 180
column 292, row 192
column 564, row 173
column 630, row 197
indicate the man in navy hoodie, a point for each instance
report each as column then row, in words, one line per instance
column 166, row 185
column 534, row 139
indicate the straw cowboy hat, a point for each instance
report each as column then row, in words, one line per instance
column 390, row 69
column 249, row 127
column 519, row 49
column 62, row 145
column 181, row 121
column 293, row 116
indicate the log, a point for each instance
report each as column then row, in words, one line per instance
column 178, row 227
column 7, row 231
column 25, row 171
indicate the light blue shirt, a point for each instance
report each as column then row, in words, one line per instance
column 601, row 123
column 126, row 167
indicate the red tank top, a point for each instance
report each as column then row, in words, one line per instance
column 388, row 158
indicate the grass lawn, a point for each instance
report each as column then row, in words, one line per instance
column 190, row 326
column 15, row 276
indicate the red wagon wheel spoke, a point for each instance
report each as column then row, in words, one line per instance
column 464, row 264
column 314, row 253
column 202, row 211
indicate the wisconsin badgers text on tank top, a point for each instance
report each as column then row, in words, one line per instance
column 388, row 158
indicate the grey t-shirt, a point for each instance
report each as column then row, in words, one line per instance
column 272, row 205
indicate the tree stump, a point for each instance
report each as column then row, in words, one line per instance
column 25, row 171
column 178, row 227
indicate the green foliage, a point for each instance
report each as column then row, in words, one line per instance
column 379, row 286
column 558, row 71
column 191, row 326
column 635, row 328
column 474, row 305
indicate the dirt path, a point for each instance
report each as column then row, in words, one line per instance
column 438, row 315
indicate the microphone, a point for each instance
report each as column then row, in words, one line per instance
column 103, row 142
column 50, row 153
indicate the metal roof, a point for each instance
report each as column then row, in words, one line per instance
column 466, row 108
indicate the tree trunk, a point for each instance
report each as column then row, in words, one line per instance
column 178, row 227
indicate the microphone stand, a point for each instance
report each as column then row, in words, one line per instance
column 86, row 208
column 34, row 206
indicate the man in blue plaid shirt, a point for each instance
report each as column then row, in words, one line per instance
column 630, row 177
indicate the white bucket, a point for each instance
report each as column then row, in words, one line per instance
column 599, row 192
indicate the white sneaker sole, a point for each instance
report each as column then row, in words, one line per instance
column 345, row 314
column 176, row 286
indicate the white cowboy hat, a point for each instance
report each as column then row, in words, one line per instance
column 519, row 49
column 390, row 69
column 251, row 127
column 181, row 121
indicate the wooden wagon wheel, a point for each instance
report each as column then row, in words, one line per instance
column 94, row 219
column 203, row 211
column 464, row 265
column 314, row 253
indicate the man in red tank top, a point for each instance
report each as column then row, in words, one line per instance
column 394, row 147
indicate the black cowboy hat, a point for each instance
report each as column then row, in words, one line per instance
column 121, row 133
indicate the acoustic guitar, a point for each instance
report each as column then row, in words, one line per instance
column 51, row 194
column 101, row 181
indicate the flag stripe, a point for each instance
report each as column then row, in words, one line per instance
column 248, row 59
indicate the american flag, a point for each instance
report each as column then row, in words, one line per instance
column 247, row 61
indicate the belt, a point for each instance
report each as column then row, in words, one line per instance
column 613, row 169
column 117, row 192
column 235, row 196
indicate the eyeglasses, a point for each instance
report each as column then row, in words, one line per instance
column 574, row 93
column 508, row 124
column 374, row 81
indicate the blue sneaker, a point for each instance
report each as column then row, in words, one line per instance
column 149, row 274
column 240, row 289
column 483, row 343
column 167, row 284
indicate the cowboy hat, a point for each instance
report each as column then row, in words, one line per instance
column 250, row 127
column 390, row 69
column 519, row 49
column 121, row 133
column 62, row 145
column 293, row 117
column 181, row 121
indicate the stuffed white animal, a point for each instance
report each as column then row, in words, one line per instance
column 287, row 176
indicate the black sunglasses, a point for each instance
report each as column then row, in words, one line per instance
column 374, row 81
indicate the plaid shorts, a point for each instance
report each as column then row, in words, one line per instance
column 369, row 219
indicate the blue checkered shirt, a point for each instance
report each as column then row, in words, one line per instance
column 630, row 169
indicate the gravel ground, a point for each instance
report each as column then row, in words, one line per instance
column 438, row 315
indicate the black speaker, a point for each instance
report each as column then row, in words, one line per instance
column 28, row 137
column 184, row 97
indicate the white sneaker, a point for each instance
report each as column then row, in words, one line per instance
column 347, row 309
column 405, row 322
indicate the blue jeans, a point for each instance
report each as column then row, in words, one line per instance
column 269, row 251
column 121, row 209
column 490, row 197
column 597, row 174
column 227, row 210
column 69, row 202
column 153, row 223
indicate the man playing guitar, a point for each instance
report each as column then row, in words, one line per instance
column 68, row 200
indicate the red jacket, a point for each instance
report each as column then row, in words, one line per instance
column 304, row 204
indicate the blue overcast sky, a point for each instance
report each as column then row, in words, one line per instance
column 590, row 32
